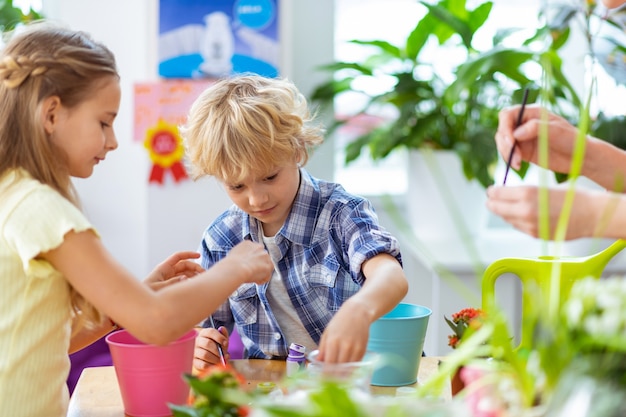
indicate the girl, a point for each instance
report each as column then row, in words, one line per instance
column 59, row 96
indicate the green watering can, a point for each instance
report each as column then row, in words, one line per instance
column 535, row 273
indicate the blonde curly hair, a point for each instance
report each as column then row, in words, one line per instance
column 248, row 124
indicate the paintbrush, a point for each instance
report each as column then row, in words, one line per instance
column 219, row 347
column 519, row 122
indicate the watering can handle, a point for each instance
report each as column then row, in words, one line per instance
column 517, row 266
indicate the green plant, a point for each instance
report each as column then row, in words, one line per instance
column 448, row 108
column 221, row 391
column 215, row 392
column 11, row 16
column 598, row 27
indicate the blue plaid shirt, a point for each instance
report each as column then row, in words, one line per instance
column 327, row 236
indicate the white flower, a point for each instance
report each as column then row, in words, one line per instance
column 596, row 306
column 573, row 312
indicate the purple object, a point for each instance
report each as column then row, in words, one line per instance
column 235, row 345
column 296, row 359
column 96, row 354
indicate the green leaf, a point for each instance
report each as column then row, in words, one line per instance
column 418, row 37
column 611, row 129
column 499, row 59
column 479, row 16
column 11, row 16
column 338, row 66
column 384, row 46
column 354, row 148
column 328, row 91
column 560, row 38
column 457, row 25
column 333, row 400
column 283, row 411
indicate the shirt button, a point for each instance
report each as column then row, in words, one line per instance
column 235, row 293
column 277, row 336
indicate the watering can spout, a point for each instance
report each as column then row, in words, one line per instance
column 607, row 254
column 538, row 275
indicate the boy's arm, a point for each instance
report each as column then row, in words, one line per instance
column 345, row 337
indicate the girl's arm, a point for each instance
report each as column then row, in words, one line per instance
column 174, row 269
column 154, row 317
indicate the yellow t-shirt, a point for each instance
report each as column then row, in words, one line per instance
column 35, row 308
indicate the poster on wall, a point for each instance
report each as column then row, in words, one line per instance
column 216, row 38
column 160, row 108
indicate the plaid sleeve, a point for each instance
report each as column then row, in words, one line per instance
column 363, row 237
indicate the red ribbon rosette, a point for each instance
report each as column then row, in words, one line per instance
column 166, row 150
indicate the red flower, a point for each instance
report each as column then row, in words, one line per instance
column 461, row 320
column 466, row 315
column 453, row 340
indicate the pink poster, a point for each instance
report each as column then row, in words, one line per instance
column 160, row 107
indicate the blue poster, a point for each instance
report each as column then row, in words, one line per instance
column 216, row 38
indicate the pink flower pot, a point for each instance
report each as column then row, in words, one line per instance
column 151, row 376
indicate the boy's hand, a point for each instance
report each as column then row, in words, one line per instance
column 345, row 337
column 174, row 269
column 205, row 352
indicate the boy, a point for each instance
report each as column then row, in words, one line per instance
column 336, row 269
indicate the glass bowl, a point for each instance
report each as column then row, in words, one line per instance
column 356, row 375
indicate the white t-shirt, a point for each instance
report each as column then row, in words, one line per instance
column 290, row 325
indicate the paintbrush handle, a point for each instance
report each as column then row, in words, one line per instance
column 520, row 117
column 219, row 347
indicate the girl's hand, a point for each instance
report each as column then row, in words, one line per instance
column 254, row 260
column 174, row 269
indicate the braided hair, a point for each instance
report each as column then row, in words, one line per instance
column 39, row 62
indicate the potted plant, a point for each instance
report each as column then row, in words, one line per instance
column 461, row 323
column 454, row 108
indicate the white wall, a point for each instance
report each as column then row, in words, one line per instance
column 141, row 224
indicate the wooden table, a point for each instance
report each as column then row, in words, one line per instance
column 97, row 393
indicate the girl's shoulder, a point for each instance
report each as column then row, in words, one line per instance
column 17, row 185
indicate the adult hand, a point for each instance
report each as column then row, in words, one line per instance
column 519, row 206
column 561, row 137
column 206, row 352
column 613, row 3
column 175, row 268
